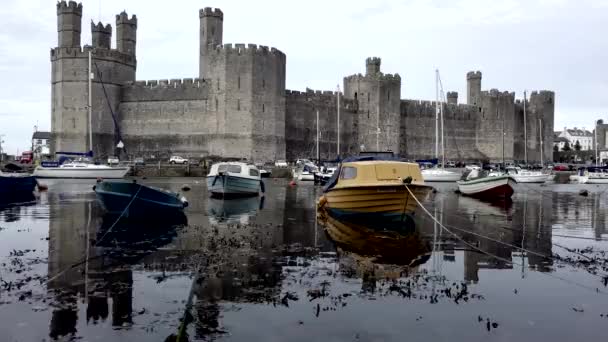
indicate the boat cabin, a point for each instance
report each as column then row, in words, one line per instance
column 234, row 168
column 375, row 173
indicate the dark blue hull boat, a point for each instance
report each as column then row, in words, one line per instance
column 15, row 184
column 137, row 201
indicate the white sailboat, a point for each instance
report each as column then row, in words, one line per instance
column 439, row 174
column 83, row 168
column 528, row 176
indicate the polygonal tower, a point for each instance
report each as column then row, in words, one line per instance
column 211, row 32
column 69, row 23
column 69, row 82
column 378, row 99
column 474, row 88
column 452, row 97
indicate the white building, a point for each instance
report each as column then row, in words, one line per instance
column 583, row 136
column 40, row 143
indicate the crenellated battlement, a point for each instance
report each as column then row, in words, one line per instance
column 312, row 93
column 543, row 95
column 473, row 75
column 377, row 77
column 211, row 12
column 373, row 60
column 497, row 93
column 82, row 52
column 72, row 7
column 100, row 28
column 172, row 83
column 424, row 109
column 248, row 49
column 123, row 18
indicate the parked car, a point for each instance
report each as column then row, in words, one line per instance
column 560, row 168
column 178, row 160
column 280, row 163
column 113, row 160
column 139, row 161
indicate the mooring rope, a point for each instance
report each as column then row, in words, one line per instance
column 493, row 255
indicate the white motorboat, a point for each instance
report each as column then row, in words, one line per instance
column 597, row 176
column 527, row 176
column 81, row 169
column 440, row 175
column 234, row 179
column 491, row 187
column 306, row 172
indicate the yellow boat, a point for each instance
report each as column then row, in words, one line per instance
column 363, row 190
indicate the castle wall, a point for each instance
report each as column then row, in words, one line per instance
column 418, row 118
column 542, row 106
column 163, row 117
column 301, row 128
column 497, row 111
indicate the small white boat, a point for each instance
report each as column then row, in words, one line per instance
column 306, row 173
column 234, row 179
column 81, row 169
column 490, row 187
column 594, row 178
column 527, row 176
column 440, row 175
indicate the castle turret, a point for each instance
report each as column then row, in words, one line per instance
column 377, row 97
column 474, row 88
column 211, row 31
column 126, row 33
column 101, row 35
column 452, row 97
column 69, row 21
column 372, row 66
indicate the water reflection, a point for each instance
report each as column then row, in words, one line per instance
column 267, row 251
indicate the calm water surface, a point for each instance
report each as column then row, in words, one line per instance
column 268, row 270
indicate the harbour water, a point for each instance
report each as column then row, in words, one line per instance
column 265, row 269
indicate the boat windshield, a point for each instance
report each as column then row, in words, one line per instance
column 474, row 174
column 232, row 168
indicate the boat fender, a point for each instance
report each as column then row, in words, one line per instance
column 262, row 186
column 407, row 180
column 135, row 181
column 94, row 187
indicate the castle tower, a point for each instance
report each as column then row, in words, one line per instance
column 452, row 97
column 101, row 35
column 211, row 31
column 69, row 20
column 474, row 88
column 378, row 98
column 69, row 82
column 126, row 33
column 541, row 108
column 372, row 66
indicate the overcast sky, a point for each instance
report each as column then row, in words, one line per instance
column 518, row 44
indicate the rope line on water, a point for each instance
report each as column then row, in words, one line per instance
column 86, row 258
column 597, row 290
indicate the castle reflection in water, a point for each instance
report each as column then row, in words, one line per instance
column 241, row 247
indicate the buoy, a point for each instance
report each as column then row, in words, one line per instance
column 42, row 187
column 292, row 183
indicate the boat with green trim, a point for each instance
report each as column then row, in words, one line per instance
column 489, row 186
column 234, row 179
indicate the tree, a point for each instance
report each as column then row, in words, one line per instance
column 566, row 146
column 555, row 148
column 577, row 146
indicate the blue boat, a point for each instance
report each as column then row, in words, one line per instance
column 234, row 179
column 133, row 200
column 15, row 184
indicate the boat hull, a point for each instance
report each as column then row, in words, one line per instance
column 15, row 185
column 81, row 173
column 593, row 180
column 489, row 188
column 306, row 177
column 440, row 176
column 366, row 204
column 142, row 201
column 531, row 178
column 230, row 185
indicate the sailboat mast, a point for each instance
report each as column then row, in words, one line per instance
column 318, row 155
column 540, row 135
column 338, row 123
column 525, row 132
column 441, row 119
column 436, row 113
column 90, row 105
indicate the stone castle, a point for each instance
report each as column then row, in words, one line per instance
column 238, row 106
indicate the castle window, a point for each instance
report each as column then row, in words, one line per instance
column 212, row 31
column 355, row 95
column 388, row 96
column 218, row 84
column 216, row 104
column 368, row 97
column 238, row 104
column 263, row 83
column 263, row 108
column 239, row 82
column 368, row 113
